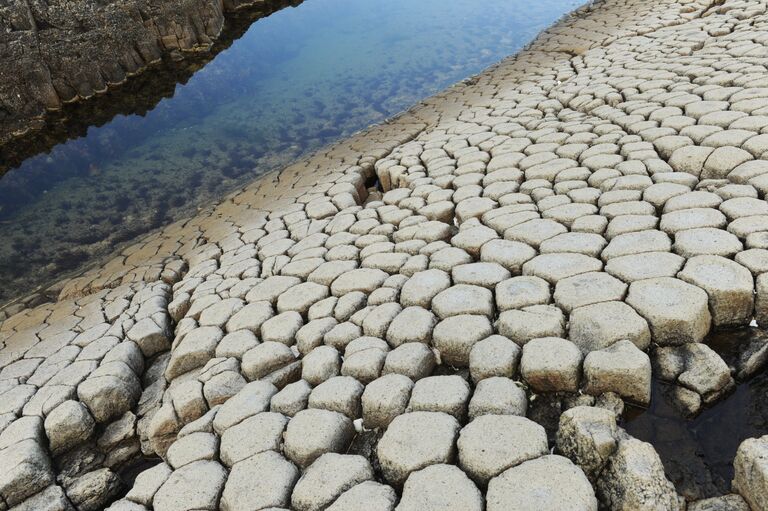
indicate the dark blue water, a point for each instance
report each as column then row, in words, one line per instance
column 295, row 81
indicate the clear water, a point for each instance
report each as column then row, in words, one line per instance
column 295, row 81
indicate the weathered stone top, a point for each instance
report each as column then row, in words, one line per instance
column 370, row 327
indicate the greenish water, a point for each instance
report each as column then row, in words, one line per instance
column 294, row 82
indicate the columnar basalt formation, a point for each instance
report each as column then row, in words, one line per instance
column 375, row 327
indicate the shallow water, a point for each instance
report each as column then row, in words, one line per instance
column 295, row 81
column 698, row 452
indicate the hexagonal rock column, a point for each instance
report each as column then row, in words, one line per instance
column 598, row 326
column 621, row 368
column 414, row 441
column 440, row 488
column 491, row 444
column 728, row 284
column 549, row 482
column 677, row 312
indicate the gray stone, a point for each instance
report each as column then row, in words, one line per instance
column 312, row 433
column 551, row 364
column 728, row 284
column 94, row 490
column 406, row 447
column 637, row 243
column 530, row 323
column 556, row 267
column 422, row 287
column 588, row 436
column 27, row 470
column 256, row 434
column 462, row 299
column 497, row 396
column 440, row 488
column 321, row 364
column 194, row 486
column 587, row 289
column 479, row 274
column 412, row 324
column 493, row 356
column 338, row 394
column 265, row 359
column 193, row 351
column 730, row 502
column 193, row 447
column 384, row 399
column 454, row 337
column 292, row 399
column 634, row 478
column 110, row 391
column 50, row 499
column 414, row 360
column 621, row 368
column 369, row 495
column 677, row 312
column 68, row 425
column 327, row 478
column 647, row 265
column 282, row 328
column 491, row 444
column 276, row 477
column 448, row 394
column 600, row 325
column 706, row 241
column 549, row 482
column 147, row 483
column 509, row 254
column 252, row 399
column 519, row 292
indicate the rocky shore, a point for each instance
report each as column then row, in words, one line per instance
column 450, row 311
column 57, row 53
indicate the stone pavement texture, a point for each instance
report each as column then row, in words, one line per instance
column 368, row 328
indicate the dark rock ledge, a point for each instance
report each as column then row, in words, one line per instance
column 55, row 52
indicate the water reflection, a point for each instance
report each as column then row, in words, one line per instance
column 294, row 82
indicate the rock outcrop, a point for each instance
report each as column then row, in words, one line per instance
column 55, row 53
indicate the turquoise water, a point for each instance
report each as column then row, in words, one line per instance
column 294, row 82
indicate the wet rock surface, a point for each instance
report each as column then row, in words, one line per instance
column 402, row 317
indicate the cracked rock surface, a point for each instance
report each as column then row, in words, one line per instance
column 446, row 311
